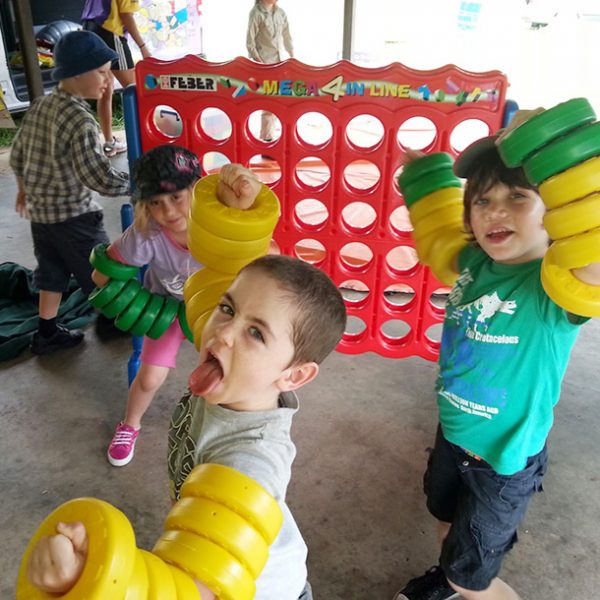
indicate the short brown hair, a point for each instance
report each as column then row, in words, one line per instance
column 489, row 171
column 319, row 320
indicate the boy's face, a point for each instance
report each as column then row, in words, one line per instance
column 93, row 84
column 508, row 224
column 247, row 347
column 171, row 210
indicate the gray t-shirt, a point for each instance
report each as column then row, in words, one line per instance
column 257, row 444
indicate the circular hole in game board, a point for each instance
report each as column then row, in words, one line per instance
column 310, row 250
column 168, row 121
column 314, row 129
column 395, row 331
column 399, row 296
column 466, row 132
column 215, row 124
column 311, row 214
column 354, row 292
column 266, row 168
column 359, row 217
column 438, row 299
column 355, row 328
column 365, row 132
column 402, row 259
column 213, row 161
column 417, row 133
column 356, row 256
column 264, row 126
column 400, row 220
column 434, row 333
column 361, row 175
column 312, row 172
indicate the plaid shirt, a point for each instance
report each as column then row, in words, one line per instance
column 58, row 154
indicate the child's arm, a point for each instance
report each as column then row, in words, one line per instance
column 56, row 562
column 128, row 21
column 237, row 187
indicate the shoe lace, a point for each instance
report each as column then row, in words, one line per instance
column 123, row 437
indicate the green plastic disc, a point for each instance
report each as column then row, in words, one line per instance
column 541, row 129
column 122, row 301
column 434, row 181
column 423, row 166
column 109, row 267
column 148, row 315
column 100, row 297
column 127, row 317
column 164, row 319
column 563, row 153
column 184, row 324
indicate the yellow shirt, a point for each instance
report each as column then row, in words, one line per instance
column 114, row 23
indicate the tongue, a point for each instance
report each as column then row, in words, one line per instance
column 205, row 378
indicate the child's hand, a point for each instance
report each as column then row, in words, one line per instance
column 520, row 117
column 56, row 562
column 237, row 187
column 410, row 155
column 20, row 205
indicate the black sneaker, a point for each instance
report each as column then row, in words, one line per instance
column 431, row 586
column 62, row 338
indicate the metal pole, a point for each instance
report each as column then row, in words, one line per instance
column 349, row 11
column 31, row 65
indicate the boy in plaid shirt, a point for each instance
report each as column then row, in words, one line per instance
column 58, row 160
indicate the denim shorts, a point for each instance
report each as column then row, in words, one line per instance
column 63, row 249
column 484, row 508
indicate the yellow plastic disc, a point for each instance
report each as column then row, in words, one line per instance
column 184, row 584
column 577, row 182
column 423, row 247
column 111, row 551
column 440, row 220
column 567, row 291
column 204, row 300
column 202, row 238
column 227, row 578
column 578, row 250
column 160, row 580
column 573, row 218
column 138, row 583
column 220, row 263
column 434, row 202
column 202, row 279
column 442, row 257
column 198, row 328
column 222, row 526
column 232, row 223
column 238, row 492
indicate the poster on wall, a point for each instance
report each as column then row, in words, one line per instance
column 171, row 28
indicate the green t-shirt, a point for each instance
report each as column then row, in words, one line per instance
column 505, row 348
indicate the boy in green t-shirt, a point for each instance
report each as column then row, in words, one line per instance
column 505, row 348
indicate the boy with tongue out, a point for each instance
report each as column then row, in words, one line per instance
column 279, row 319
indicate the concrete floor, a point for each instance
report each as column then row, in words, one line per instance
column 362, row 434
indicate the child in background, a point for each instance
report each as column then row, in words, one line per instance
column 279, row 319
column 58, row 160
column 505, row 348
column 163, row 179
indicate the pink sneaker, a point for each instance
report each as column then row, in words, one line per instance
column 120, row 451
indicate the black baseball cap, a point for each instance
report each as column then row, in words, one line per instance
column 164, row 170
column 467, row 160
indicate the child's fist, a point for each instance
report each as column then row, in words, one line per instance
column 56, row 562
column 409, row 155
column 237, row 187
column 520, row 117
